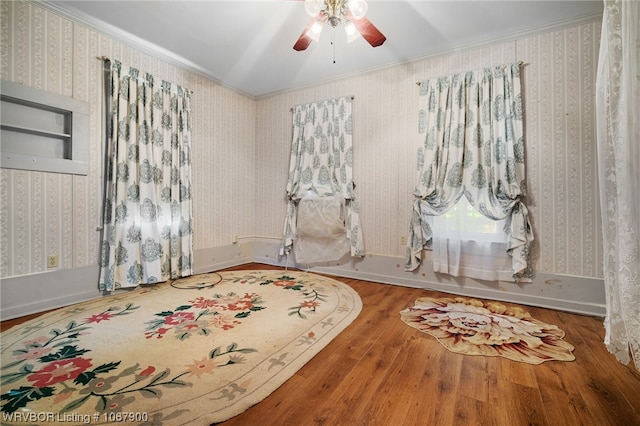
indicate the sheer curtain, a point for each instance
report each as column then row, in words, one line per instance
column 322, row 162
column 465, row 243
column 147, row 213
column 618, row 121
column 473, row 147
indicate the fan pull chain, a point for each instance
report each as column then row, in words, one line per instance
column 333, row 44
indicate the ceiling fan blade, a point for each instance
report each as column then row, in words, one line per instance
column 304, row 40
column 368, row 31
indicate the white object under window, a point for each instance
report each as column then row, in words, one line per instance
column 321, row 232
column 465, row 243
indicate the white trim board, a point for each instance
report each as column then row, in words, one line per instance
column 34, row 293
column 581, row 295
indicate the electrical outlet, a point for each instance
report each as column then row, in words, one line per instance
column 403, row 240
column 52, row 261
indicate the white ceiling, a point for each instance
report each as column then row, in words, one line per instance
column 248, row 45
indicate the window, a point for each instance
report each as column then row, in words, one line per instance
column 467, row 243
column 43, row 131
column 465, row 220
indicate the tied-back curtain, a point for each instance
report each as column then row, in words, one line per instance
column 471, row 125
column 322, row 162
column 148, row 212
column 618, row 122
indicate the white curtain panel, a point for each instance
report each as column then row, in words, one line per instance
column 148, row 212
column 618, row 121
column 471, row 126
column 470, row 246
column 322, row 164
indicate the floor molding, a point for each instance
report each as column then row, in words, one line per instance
column 34, row 293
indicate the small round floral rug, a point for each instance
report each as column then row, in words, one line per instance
column 474, row 327
column 171, row 354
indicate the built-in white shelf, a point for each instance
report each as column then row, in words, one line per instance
column 42, row 131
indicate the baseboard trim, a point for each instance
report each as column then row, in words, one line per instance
column 582, row 295
column 215, row 258
column 35, row 293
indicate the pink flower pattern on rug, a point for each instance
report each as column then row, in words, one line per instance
column 473, row 327
column 202, row 313
column 67, row 366
column 57, row 359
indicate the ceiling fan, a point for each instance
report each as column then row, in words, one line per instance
column 335, row 12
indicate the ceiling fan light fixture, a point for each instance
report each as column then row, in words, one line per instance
column 313, row 7
column 314, row 31
column 358, row 8
column 335, row 13
column 351, row 31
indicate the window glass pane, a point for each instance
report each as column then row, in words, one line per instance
column 466, row 223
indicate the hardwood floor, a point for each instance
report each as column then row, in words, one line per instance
column 380, row 371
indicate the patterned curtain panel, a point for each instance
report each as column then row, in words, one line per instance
column 322, row 162
column 473, row 145
column 148, row 216
column 617, row 113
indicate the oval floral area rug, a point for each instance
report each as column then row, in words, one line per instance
column 196, row 351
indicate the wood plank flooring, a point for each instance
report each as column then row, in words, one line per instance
column 380, row 371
